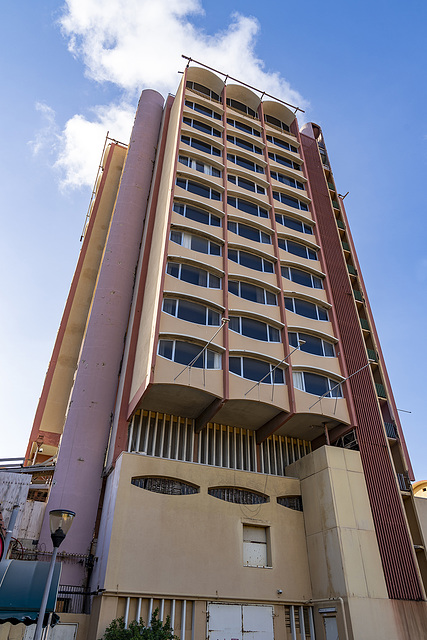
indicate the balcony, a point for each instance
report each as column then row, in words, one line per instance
column 364, row 324
column 404, row 482
column 372, row 355
column 381, row 392
column 391, row 431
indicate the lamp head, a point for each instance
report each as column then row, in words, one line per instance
column 60, row 521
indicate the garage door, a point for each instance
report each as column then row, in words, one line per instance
column 240, row 622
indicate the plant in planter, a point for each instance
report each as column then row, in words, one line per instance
column 157, row 630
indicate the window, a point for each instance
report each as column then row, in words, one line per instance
column 246, row 164
column 297, row 249
column 198, row 215
column 193, row 275
column 289, row 201
column 191, row 312
column 246, row 184
column 201, row 146
column 312, row 344
column 200, row 88
column 192, row 163
column 250, row 260
column 256, row 370
column 244, row 144
column 169, row 486
column 276, row 122
column 198, row 189
column 316, row 384
column 285, row 161
column 292, row 223
column 302, row 277
column 247, row 207
column 201, row 126
column 306, row 309
column 202, row 109
column 282, row 144
column 235, row 104
column 286, row 180
column 251, row 233
column 254, row 329
column 237, row 496
column 196, row 243
column 186, row 352
column 244, row 127
column 251, row 292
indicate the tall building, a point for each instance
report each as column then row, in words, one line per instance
column 217, row 398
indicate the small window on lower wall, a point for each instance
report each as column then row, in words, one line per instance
column 316, row 384
column 237, row 496
column 169, row 486
column 256, row 552
column 291, row 502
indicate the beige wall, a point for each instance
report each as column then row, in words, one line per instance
column 206, row 535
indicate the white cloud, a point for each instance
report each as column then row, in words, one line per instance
column 136, row 44
column 48, row 136
column 83, row 140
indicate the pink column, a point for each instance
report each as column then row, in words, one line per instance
column 77, row 479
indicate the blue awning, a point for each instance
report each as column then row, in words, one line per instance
column 22, row 585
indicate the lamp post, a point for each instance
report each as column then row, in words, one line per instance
column 59, row 521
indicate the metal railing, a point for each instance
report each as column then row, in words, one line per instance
column 72, row 599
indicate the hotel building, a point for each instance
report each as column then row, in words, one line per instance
column 217, row 399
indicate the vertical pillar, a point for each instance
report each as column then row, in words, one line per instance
column 77, row 480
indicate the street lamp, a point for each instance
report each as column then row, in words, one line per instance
column 59, row 521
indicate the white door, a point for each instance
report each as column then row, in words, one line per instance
column 60, row 631
column 240, row 622
column 331, row 628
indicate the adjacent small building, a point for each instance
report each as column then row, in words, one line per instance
column 217, row 402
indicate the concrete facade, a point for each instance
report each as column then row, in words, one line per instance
column 232, row 448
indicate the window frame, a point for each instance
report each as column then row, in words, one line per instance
column 193, row 105
column 287, row 180
column 213, row 151
column 211, row 216
column 335, row 386
column 273, row 369
column 286, row 242
column 315, row 280
column 249, row 284
column 313, row 304
column 248, row 226
column 237, row 180
column 207, row 353
column 264, row 261
column 191, row 184
column 300, row 336
column 286, row 220
column 239, row 202
column 282, row 144
column 285, row 199
column 193, row 162
column 244, row 144
column 186, row 238
column 256, row 168
column 184, row 264
column 242, row 333
column 191, row 302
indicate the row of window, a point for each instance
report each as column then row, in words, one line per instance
column 246, row 164
column 202, row 126
column 244, row 144
column 188, row 353
column 285, row 161
column 193, row 163
column 256, row 329
column 243, row 127
column 246, row 231
column 203, row 278
column 289, row 201
column 240, row 106
column 200, row 88
column 301, row 277
column 290, row 182
column 247, row 207
column 276, row 122
column 204, row 110
column 281, row 143
column 195, row 242
column 198, row 189
column 246, row 184
column 201, row 146
column 203, row 245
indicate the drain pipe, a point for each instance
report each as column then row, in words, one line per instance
column 9, row 531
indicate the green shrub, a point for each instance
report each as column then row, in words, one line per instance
column 157, row 630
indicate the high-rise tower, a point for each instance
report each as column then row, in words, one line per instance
column 230, row 442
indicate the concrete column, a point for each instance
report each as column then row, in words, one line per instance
column 77, row 480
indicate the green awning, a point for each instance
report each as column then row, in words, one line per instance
column 22, row 585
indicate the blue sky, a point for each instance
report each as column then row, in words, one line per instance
column 71, row 72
